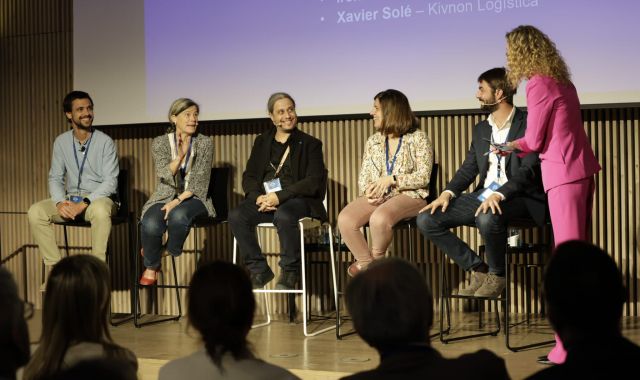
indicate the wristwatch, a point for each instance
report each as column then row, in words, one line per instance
column 86, row 201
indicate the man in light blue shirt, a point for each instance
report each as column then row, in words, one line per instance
column 83, row 182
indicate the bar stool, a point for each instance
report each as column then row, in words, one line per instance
column 122, row 216
column 305, row 225
column 540, row 251
column 409, row 224
column 218, row 192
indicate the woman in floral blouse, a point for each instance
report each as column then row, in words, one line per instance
column 393, row 182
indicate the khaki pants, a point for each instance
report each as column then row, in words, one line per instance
column 42, row 214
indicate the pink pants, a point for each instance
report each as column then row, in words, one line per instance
column 381, row 220
column 570, row 206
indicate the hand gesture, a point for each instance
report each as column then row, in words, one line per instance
column 267, row 202
column 441, row 201
column 492, row 202
column 379, row 188
column 376, row 201
column 169, row 206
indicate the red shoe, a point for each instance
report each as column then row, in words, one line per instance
column 355, row 268
column 146, row 280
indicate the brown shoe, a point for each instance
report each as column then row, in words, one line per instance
column 477, row 279
column 492, row 287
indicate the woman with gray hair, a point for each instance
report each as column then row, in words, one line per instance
column 183, row 167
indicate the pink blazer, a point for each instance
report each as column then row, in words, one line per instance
column 554, row 129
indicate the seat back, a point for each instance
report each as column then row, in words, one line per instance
column 219, row 191
column 433, row 185
column 123, row 194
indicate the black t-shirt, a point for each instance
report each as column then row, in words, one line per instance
column 277, row 150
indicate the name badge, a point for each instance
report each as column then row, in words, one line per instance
column 486, row 193
column 272, row 186
column 75, row 198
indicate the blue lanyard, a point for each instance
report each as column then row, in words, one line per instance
column 186, row 161
column 395, row 155
column 75, row 155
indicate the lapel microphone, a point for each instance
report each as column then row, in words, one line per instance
column 82, row 148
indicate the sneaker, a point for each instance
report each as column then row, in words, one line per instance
column 288, row 280
column 492, row 287
column 477, row 279
column 259, row 280
column 47, row 271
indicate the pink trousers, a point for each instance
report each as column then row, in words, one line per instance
column 381, row 220
column 570, row 206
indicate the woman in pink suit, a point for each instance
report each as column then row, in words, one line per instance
column 555, row 131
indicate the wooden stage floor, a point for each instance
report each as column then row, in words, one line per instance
column 323, row 356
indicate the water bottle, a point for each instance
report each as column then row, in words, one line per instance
column 513, row 237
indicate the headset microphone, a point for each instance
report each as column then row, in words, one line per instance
column 493, row 104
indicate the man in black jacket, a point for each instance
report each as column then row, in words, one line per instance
column 509, row 187
column 285, row 180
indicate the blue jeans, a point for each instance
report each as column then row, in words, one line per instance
column 492, row 227
column 178, row 224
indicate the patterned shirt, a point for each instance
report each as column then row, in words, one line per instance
column 412, row 167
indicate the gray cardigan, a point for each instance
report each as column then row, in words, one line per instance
column 197, row 180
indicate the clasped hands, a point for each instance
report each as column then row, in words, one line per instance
column 267, row 202
column 376, row 190
column 69, row 210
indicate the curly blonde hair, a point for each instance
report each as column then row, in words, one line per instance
column 531, row 52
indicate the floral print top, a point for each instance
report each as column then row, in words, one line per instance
column 412, row 167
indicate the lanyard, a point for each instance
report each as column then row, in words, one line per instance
column 186, row 160
column 498, row 156
column 284, row 157
column 75, row 155
column 395, row 155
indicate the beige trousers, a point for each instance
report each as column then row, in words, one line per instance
column 43, row 214
column 381, row 220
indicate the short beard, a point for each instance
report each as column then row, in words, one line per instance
column 489, row 108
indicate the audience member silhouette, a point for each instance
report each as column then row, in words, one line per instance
column 74, row 319
column 14, row 336
column 98, row 369
column 392, row 310
column 585, row 295
column 221, row 308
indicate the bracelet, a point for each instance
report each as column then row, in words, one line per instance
column 179, row 200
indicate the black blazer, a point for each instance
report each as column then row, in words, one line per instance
column 307, row 168
column 525, row 177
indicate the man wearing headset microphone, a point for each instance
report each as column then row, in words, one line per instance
column 509, row 188
column 83, row 182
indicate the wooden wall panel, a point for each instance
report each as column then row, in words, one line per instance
column 36, row 73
